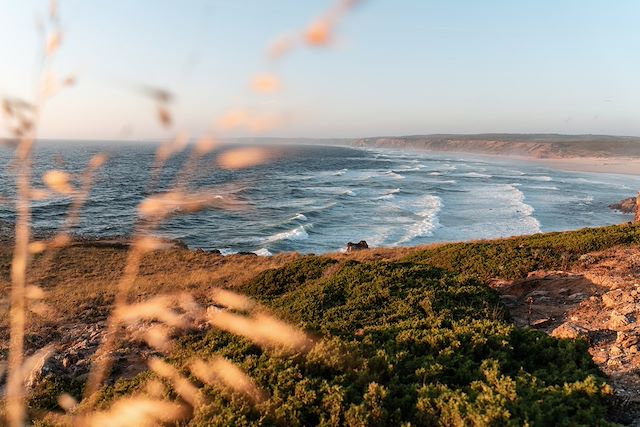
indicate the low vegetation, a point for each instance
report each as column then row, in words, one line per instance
column 419, row 340
column 515, row 257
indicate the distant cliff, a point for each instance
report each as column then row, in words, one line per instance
column 541, row 146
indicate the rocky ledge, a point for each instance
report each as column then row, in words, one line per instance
column 598, row 301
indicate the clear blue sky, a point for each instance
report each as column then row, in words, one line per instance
column 398, row 67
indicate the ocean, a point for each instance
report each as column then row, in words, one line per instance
column 315, row 199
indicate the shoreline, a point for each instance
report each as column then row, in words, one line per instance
column 608, row 165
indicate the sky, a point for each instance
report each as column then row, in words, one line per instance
column 397, row 67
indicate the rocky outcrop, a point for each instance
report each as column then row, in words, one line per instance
column 627, row 206
column 361, row 245
column 598, row 301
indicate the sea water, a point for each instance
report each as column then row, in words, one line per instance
column 317, row 198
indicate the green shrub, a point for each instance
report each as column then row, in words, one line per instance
column 280, row 280
column 515, row 257
column 405, row 343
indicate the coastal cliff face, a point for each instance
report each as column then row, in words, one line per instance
column 543, row 146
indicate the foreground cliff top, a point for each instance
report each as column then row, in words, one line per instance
column 404, row 335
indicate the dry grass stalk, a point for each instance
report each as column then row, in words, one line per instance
column 266, row 83
column 102, row 366
column 221, row 373
column 241, row 158
column 140, row 411
column 158, row 308
column 15, row 390
column 185, row 389
column 58, row 181
column 232, row 300
column 262, row 329
column 67, row 402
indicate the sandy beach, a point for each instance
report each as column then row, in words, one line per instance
column 617, row 165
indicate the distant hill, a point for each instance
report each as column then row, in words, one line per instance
column 541, row 146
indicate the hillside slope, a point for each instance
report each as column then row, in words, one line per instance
column 541, row 146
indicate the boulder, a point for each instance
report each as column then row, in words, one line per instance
column 569, row 331
column 627, row 340
column 361, row 245
column 628, row 205
column 618, row 321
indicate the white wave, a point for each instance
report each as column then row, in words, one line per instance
column 476, row 175
column 298, row 233
column 543, row 178
column 389, row 194
column 340, row 172
column 435, row 173
column 511, row 197
column 263, row 252
column 299, row 217
column 227, row 251
column 394, row 175
column 350, row 193
column 431, row 207
column 543, row 187
column 587, row 200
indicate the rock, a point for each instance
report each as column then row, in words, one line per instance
column 564, row 291
column 215, row 252
column 539, row 293
column 633, row 349
column 569, row 331
column 627, row 340
column 615, row 350
column 36, row 364
column 247, row 253
column 509, row 300
column 617, row 321
column 628, row 309
column 540, row 322
column 614, row 363
column 616, row 296
column 600, row 359
column 609, row 300
column 628, row 205
column 361, row 245
column 578, row 296
column 587, row 259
